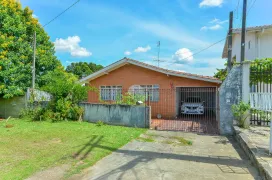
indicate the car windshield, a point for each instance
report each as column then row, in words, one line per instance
column 193, row 100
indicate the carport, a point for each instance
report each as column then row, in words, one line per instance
column 196, row 110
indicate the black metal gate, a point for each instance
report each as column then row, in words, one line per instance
column 191, row 109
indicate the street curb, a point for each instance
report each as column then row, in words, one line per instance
column 263, row 167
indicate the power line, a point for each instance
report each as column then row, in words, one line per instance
column 200, row 50
column 237, row 7
column 61, row 13
column 252, row 2
column 251, row 6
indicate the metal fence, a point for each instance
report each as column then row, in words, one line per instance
column 261, row 93
column 181, row 108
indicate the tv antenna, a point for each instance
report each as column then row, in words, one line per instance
column 158, row 58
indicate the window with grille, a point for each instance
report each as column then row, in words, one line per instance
column 110, row 93
column 145, row 90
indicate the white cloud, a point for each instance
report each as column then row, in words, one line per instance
column 204, row 28
column 215, row 27
column 217, row 24
column 71, row 45
column 211, row 3
column 127, row 53
column 81, row 52
column 142, row 49
column 183, row 56
column 218, row 21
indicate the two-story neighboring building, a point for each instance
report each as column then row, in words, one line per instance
column 258, row 43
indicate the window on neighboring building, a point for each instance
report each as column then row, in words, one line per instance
column 110, row 92
column 152, row 90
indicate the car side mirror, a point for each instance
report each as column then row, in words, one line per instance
column 203, row 102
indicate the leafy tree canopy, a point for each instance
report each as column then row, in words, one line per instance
column 221, row 74
column 257, row 66
column 82, row 69
column 62, row 84
column 17, row 27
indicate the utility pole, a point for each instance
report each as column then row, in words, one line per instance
column 230, row 41
column 243, row 33
column 34, row 59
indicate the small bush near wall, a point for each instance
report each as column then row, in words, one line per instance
column 67, row 94
column 241, row 113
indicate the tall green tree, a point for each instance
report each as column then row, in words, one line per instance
column 82, row 69
column 17, row 26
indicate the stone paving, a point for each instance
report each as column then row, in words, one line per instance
column 209, row 157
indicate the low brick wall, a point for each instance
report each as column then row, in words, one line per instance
column 125, row 115
column 251, row 151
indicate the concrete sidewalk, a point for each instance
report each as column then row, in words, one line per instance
column 255, row 142
column 210, row 157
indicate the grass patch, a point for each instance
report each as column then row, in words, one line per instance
column 182, row 141
column 29, row 147
column 145, row 139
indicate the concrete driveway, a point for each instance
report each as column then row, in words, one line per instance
column 209, row 157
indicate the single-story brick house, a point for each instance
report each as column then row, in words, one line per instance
column 166, row 87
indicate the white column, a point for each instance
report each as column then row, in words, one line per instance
column 245, row 81
column 246, row 87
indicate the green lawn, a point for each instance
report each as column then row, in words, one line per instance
column 27, row 147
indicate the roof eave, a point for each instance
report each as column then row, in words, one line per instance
column 126, row 61
column 178, row 75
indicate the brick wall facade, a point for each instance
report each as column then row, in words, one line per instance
column 129, row 75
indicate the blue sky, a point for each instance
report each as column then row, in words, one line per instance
column 104, row 31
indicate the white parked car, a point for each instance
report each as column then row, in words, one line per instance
column 192, row 105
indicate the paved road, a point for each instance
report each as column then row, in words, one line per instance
column 210, row 157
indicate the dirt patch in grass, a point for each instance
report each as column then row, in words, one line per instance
column 9, row 126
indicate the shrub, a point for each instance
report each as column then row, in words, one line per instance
column 130, row 99
column 240, row 112
column 67, row 94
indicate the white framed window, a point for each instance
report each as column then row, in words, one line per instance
column 110, row 92
column 145, row 90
